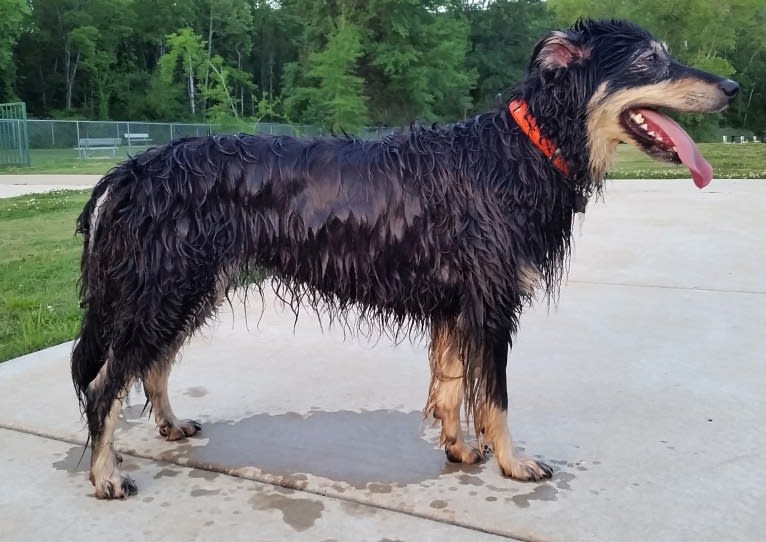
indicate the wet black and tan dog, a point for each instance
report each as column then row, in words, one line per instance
column 444, row 230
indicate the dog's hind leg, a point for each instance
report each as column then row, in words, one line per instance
column 156, row 390
column 491, row 416
column 445, row 393
column 104, row 401
column 135, row 351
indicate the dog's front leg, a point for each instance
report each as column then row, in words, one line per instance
column 446, row 391
column 492, row 415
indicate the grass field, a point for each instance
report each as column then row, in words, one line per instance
column 38, row 271
column 741, row 161
column 63, row 161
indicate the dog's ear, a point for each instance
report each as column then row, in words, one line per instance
column 559, row 50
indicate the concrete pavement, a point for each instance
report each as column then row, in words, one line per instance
column 18, row 185
column 643, row 387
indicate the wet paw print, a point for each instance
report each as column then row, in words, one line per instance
column 486, row 451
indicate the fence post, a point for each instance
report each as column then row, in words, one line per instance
column 24, row 137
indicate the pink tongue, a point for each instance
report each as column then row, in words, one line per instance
column 687, row 151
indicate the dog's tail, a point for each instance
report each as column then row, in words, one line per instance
column 91, row 344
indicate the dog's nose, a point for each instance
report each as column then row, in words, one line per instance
column 730, row 88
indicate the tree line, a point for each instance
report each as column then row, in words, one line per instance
column 340, row 64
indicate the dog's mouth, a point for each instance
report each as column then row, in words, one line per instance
column 663, row 139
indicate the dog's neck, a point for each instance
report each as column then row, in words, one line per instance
column 560, row 110
column 519, row 111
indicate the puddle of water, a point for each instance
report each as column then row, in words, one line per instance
column 468, row 480
column 196, row 391
column 369, row 449
column 206, row 474
column 166, row 473
column 204, row 492
column 70, row 461
column 542, row 492
column 298, row 513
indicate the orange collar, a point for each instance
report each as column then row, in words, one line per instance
column 520, row 113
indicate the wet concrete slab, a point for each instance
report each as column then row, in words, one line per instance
column 45, row 496
column 643, row 388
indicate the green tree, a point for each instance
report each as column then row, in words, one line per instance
column 503, row 34
column 73, row 53
column 205, row 81
column 323, row 88
column 412, row 62
column 274, row 45
column 338, row 102
column 221, row 93
column 182, row 64
column 417, row 61
column 228, row 26
column 13, row 15
column 154, row 21
column 749, row 61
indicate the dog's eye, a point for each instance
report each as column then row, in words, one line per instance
column 650, row 57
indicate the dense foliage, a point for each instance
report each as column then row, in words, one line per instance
column 337, row 63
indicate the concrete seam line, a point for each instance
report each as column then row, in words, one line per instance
column 213, row 468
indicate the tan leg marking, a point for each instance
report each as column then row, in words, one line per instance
column 494, row 421
column 445, row 395
column 104, row 474
column 156, row 390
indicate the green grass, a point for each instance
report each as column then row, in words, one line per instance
column 741, row 161
column 63, row 161
column 38, row 271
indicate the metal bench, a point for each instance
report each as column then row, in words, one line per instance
column 87, row 145
column 137, row 138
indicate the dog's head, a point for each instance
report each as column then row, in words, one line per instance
column 619, row 78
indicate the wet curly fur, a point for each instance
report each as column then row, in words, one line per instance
column 426, row 228
column 421, row 226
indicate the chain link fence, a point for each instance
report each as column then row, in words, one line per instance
column 63, row 134
column 14, row 147
column 70, row 134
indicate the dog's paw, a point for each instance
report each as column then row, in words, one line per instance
column 526, row 469
column 116, row 486
column 178, row 429
column 463, row 453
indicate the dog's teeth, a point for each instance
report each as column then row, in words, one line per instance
column 653, row 134
column 644, row 126
column 638, row 118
